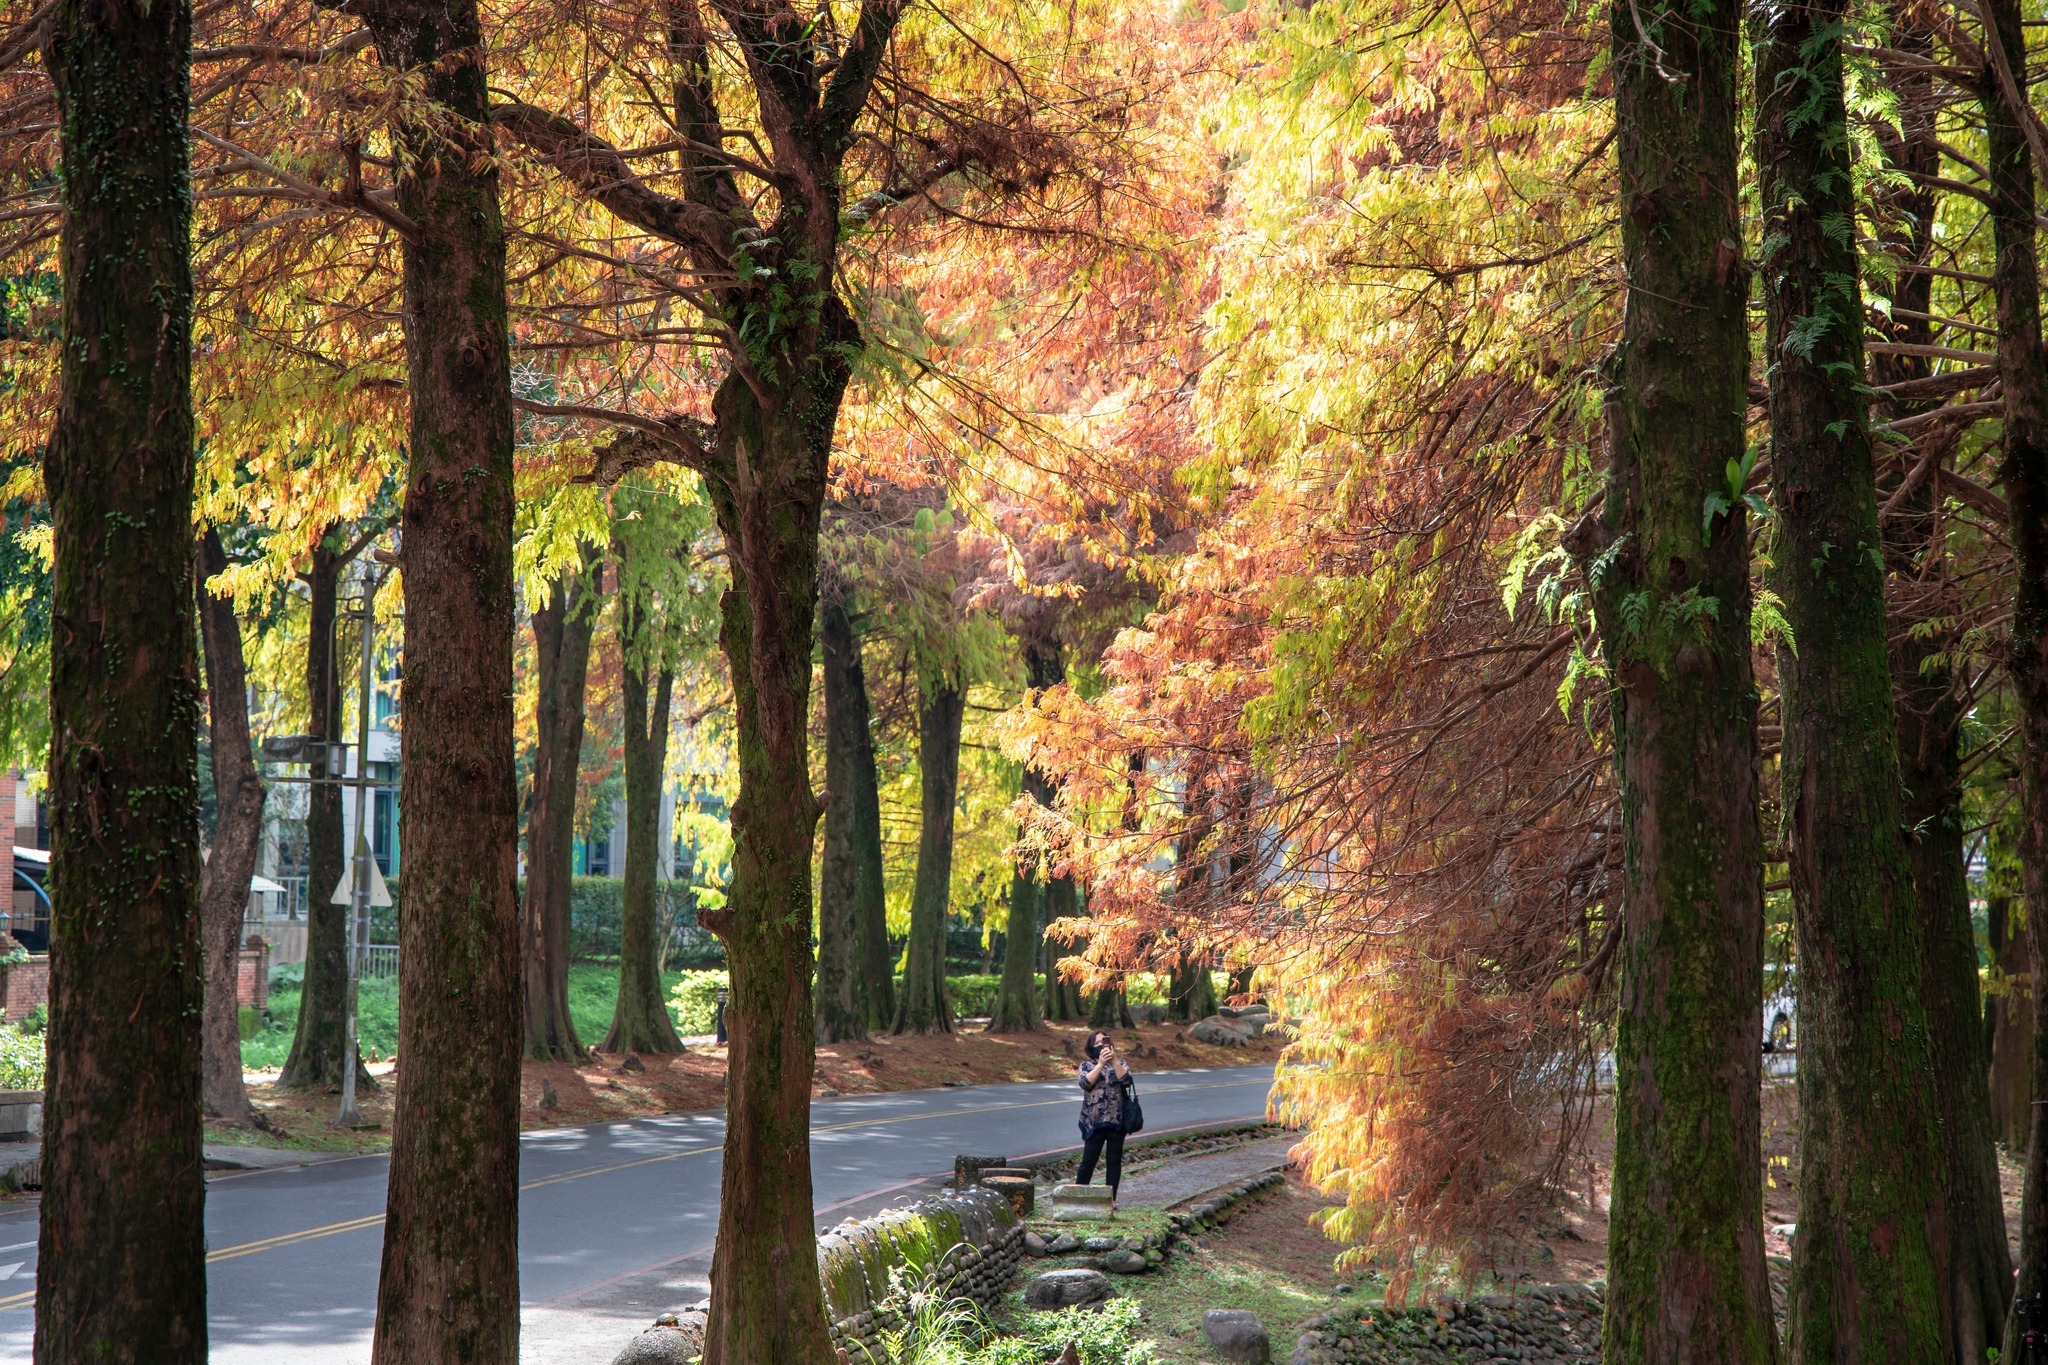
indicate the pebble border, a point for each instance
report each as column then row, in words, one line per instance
column 1549, row 1324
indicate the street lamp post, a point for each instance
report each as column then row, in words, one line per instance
column 349, row 1116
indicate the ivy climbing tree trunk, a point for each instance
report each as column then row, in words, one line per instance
column 2023, row 377
column 1686, row 1258
column 449, row 1289
column 1922, row 601
column 924, row 1007
column 640, row 1019
column 562, row 628
column 238, row 834
column 318, row 1044
column 122, row 1269
column 1868, row 1254
column 839, row 1013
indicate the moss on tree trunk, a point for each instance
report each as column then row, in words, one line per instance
column 238, row 834
column 1686, row 1260
column 562, row 628
column 449, row 1289
column 1867, row 1257
column 122, row 1269
column 923, row 1006
column 766, row 1303
column 1922, row 605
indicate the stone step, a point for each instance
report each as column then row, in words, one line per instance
column 1071, row 1203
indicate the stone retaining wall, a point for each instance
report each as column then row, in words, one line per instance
column 1551, row 1324
column 964, row 1244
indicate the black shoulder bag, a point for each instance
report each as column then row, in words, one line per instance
column 1133, row 1112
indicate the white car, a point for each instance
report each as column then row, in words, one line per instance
column 1780, row 1010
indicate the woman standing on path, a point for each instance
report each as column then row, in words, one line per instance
column 1105, row 1081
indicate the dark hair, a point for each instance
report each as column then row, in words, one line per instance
column 1096, row 1041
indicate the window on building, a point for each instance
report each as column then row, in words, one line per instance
column 384, row 817
column 384, row 704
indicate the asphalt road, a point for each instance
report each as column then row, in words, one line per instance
column 292, row 1270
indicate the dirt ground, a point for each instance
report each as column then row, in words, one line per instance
column 558, row 1094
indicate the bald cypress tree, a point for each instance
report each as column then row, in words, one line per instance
column 122, row 1269
column 1671, row 591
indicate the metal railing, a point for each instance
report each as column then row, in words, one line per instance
column 380, row 961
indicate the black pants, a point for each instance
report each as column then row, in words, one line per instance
column 1112, row 1140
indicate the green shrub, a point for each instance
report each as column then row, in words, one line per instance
column 21, row 1060
column 35, row 1021
column 973, row 995
column 694, row 1001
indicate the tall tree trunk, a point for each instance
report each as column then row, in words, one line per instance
column 1032, row 902
column 1868, row 1254
column 924, row 1007
column 1686, row 1259
column 561, row 638
column 2012, row 1029
column 2023, row 376
column 224, row 885
column 766, row 1305
column 318, row 1043
column 1110, row 1009
column 1929, row 716
column 1193, row 990
column 449, row 1289
column 1016, row 1007
column 1063, row 1001
column 839, row 1013
column 1241, row 982
column 640, row 1019
column 122, row 1274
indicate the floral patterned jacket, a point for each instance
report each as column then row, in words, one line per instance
column 1102, row 1103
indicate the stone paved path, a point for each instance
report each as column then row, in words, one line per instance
column 1183, row 1177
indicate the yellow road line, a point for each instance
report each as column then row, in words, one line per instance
column 285, row 1239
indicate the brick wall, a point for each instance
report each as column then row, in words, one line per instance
column 252, row 976
column 24, row 986
column 27, row 984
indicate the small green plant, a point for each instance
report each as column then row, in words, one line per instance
column 21, row 1060
column 936, row 1330
column 35, row 1021
column 1106, row 1334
